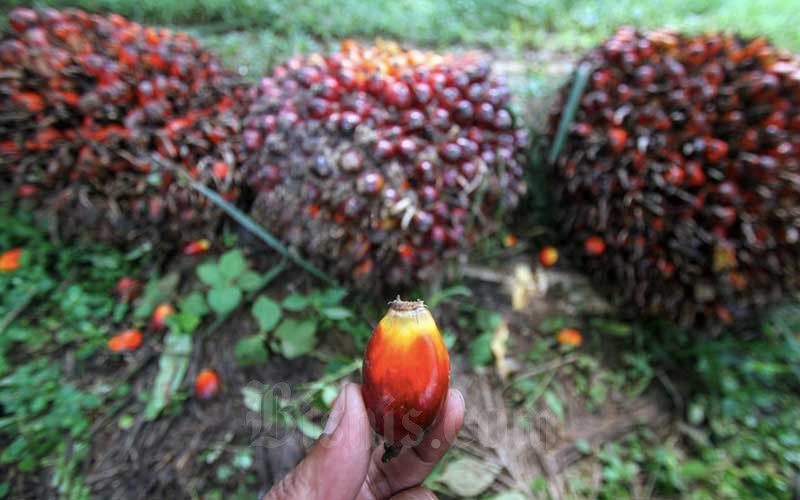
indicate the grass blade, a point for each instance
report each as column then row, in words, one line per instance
column 581, row 78
column 252, row 226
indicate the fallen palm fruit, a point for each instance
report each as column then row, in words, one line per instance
column 548, row 256
column 206, row 384
column 569, row 337
column 127, row 340
column 10, row 260
column 197, row 247
column 127, row 289
column 158, row 321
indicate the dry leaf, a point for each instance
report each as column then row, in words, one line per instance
column 522, row 287
column 469, row 477
column 500, row 348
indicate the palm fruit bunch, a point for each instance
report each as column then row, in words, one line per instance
column 97, row 115
column 382, row 163
column 679, row 181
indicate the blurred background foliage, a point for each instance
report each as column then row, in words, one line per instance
column 496, row 23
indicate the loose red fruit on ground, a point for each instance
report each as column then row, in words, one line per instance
column 406, row 375
column 10, row 260
column 26, row 190
column 127, row 340
column 206, row 385
column 158, row 320
column 127, row 288
column 197, row 247
column 548, row 256
column 569, row 337
column 594, row 245
column 724, row 314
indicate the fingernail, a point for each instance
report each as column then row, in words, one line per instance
column 460, row 396
column 337, row 413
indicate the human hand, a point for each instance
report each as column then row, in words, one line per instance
column 341, row 466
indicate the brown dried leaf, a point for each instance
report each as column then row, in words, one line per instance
column 499, row 348
column 522, row 287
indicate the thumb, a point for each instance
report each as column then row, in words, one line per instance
column 337, row 465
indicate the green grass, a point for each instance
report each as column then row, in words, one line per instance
column 497, row 23
column 254, row 35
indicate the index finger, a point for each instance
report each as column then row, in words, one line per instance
column 413, row 465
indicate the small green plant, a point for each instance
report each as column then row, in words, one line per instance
column 290, row 326
column 485, row 323
column 229, row 278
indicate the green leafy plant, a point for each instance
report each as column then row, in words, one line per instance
column 228, row 278
column 485, row 322
column 290, row 326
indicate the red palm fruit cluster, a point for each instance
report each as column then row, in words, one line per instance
column 96, row 113
column 379, row 161
column 679, row 181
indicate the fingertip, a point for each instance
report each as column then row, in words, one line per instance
column 354, row 422
column 453, row 416
column 354, row 393
column 456, row 399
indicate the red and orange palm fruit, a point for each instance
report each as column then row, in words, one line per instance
column 10, row 260
column 548, row 256
column 406, row 375
column 127, row 340
column 160, row 315
column 206, row 384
